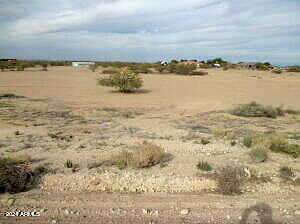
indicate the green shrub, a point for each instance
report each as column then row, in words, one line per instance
column 20, row 68
column 205, row 166
column 277, row 71
column 254, row 109
column 292, row 111
column 286, row 172
column 258, row 155
column 180, row 68
column 69, row 164
column 294, row 69
column 145, row 155
column 262, row 66
column 247, row 141
column 110, row 71
column 229, row 180
column 124, row 81
column 204, row 141
column 233, row 143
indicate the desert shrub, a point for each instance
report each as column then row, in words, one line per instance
column 20, row 68
column 254, row 109
column 292, row 111
column 68, row 164
column 205, row 166
column 258, row 155
column 217, row 61
column 233, row 143
column 294, row 69
column 198, row 73
column 204, row 141
column 247, row 141
column 205, row 66
column 124, row 81
column 229, row 180
column 219, row 132
column 180, row 68
column 110, row 71
column 286, row 172
column 145, row 155
column 16, row 175
column 44, row 67
column 291, row 149
column 277, row 71
column 93, row 67
column 140, row 68
column 262, row 66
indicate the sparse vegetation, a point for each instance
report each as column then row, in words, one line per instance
column 16, row 175
column 277, row 71
column 205, row 166
column 110, row 71
column 69, row 164
column 233, row 143
column 258, row 155
column 144, row 156
column 247, row 141
column 125, row 81
column 286, row 172
column 93, row 67
column 204, row 141
column 254, row 109
column 229, row 180
column 44, row 67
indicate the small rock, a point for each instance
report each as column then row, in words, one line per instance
column 67, row 212
column 54, row 221
column 184, row 211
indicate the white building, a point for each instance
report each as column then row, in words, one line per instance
column 82, row 63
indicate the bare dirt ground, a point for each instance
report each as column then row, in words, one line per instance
column 66, row 116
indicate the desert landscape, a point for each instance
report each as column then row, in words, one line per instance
column 180, row 149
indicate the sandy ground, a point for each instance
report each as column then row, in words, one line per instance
column 219, row 90
column 172, row 111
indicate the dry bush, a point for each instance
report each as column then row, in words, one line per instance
column 219, row 132
column 145, row 155
column 254, row 109
column 205, row 166
column 16, row 175
column 258, row 155
column 229, row 180
column 110, row 71
column 125, row 81
column 277, row 71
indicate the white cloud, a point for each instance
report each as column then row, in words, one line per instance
column 191, row 28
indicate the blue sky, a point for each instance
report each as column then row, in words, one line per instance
column 151, row 30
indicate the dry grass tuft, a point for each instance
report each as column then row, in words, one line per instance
column 229, row 180
column 144, row 156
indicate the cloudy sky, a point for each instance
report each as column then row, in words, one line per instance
column 151, row 30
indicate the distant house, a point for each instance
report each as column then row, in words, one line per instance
column 247, row 65
column 82, row 63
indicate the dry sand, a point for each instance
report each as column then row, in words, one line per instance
column 172, row 111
